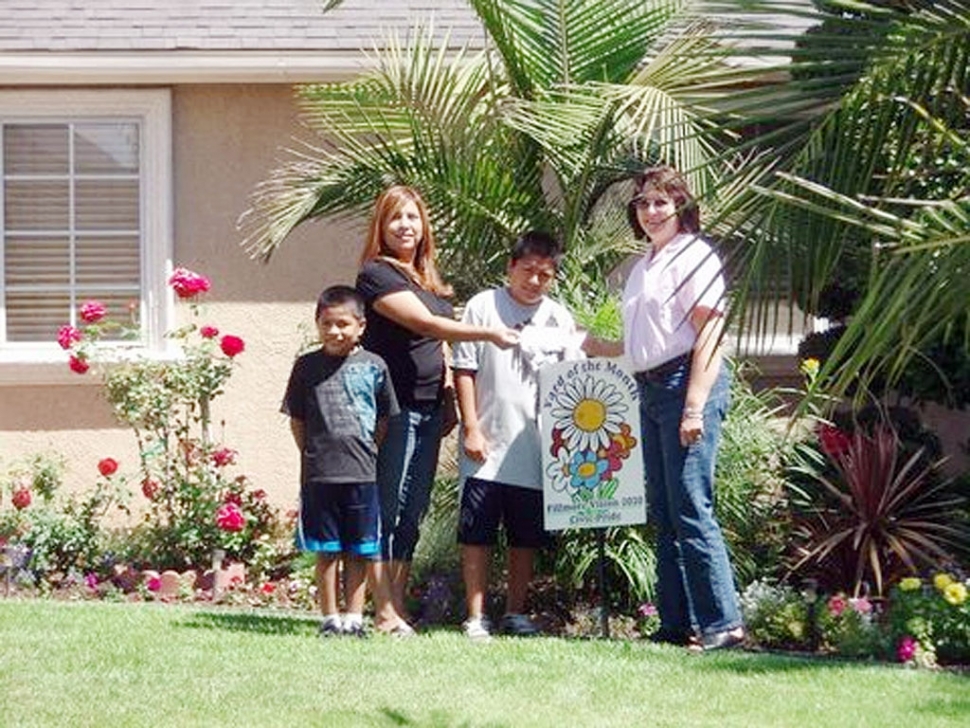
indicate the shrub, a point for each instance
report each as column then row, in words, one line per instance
column 776, row 616
column 868, row 515
column 59, row 535
column 751, row 496
column 929, row 619
column 849, row 626
column 196, row 505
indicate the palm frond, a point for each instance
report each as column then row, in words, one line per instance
column 544, row 43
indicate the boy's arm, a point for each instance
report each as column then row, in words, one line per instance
column 380, row 430
column 473, row 439
column 298, row 428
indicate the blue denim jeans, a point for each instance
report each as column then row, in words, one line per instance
column 406, row 466
column 695, row 585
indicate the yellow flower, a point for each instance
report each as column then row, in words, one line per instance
column 955, row 593
column 810, row 367
column 910, row 583
column 942, row 580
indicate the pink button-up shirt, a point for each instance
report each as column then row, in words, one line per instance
column 661, row 291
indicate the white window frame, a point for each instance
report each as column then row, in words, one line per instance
column 152, row 108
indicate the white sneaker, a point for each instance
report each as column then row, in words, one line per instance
column 517, row 625
column 477, row 629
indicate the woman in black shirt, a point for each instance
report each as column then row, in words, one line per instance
column 408, row 319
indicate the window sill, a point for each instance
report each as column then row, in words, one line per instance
column 43, row 373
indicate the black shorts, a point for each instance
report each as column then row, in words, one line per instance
column 340, row 518
column 485, row 503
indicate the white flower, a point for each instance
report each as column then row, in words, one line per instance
column 588, row 411
column 558, row 470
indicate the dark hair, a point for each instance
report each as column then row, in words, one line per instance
column 538, row 243
column 340, row 296
column 668, row 180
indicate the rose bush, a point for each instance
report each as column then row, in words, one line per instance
column 184, row 474
column 60, row 537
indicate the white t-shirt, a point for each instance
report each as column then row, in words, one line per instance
column 507, row 385
column 660, row 293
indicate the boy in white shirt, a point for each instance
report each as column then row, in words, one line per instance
column 501, row 452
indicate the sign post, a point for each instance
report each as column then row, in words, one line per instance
column 589, row 418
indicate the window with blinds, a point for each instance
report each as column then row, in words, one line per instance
column 71, row 223
column 84, row 213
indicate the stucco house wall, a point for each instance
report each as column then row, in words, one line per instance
column 228, row 70
column 225, row 140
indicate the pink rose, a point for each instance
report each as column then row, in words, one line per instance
column 21, row 498
column 188, row 284
column 208, row 332
column 68, row 335
column 906, row 650
column 259, row 494
column 154, row 583
column 230, row 518
column 91, row 581
column 92, row 311
column 78, row 364
column 861, row 605
column 837, row 605
column 107, row 466
column 224, row 456
column 232, row 345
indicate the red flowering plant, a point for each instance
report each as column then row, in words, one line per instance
column 184, row 474
column 60, row 537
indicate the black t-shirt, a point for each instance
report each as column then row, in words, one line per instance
column 416, row 362
column 339, row 400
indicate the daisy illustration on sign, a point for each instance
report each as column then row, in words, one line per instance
column 593, row 466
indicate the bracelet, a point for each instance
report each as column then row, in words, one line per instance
column 693, row 412
column 691, row 416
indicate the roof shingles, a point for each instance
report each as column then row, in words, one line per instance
column 216, row 25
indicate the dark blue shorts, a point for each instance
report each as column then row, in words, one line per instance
column 340, row 518
column 486, row 503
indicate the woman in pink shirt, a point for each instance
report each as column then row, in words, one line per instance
column 673, row 318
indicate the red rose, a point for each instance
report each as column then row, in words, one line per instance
column 209, row 332
column 230, row 518
column 259, row 494
column 107, row 467
column 232, row 345
column 150, row 488
column 92, row 311
column 234, row 498
column 268, row 587
column 224, row 456
column 188, row 284
column 68, row 335
column 78, row 364
column 21, row 498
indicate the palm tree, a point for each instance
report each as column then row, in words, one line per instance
column 803, row 147
column 882, row 178
column 528, row 132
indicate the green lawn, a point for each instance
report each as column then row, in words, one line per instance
column 98, row 664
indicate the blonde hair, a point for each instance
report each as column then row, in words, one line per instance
column 424, row 271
